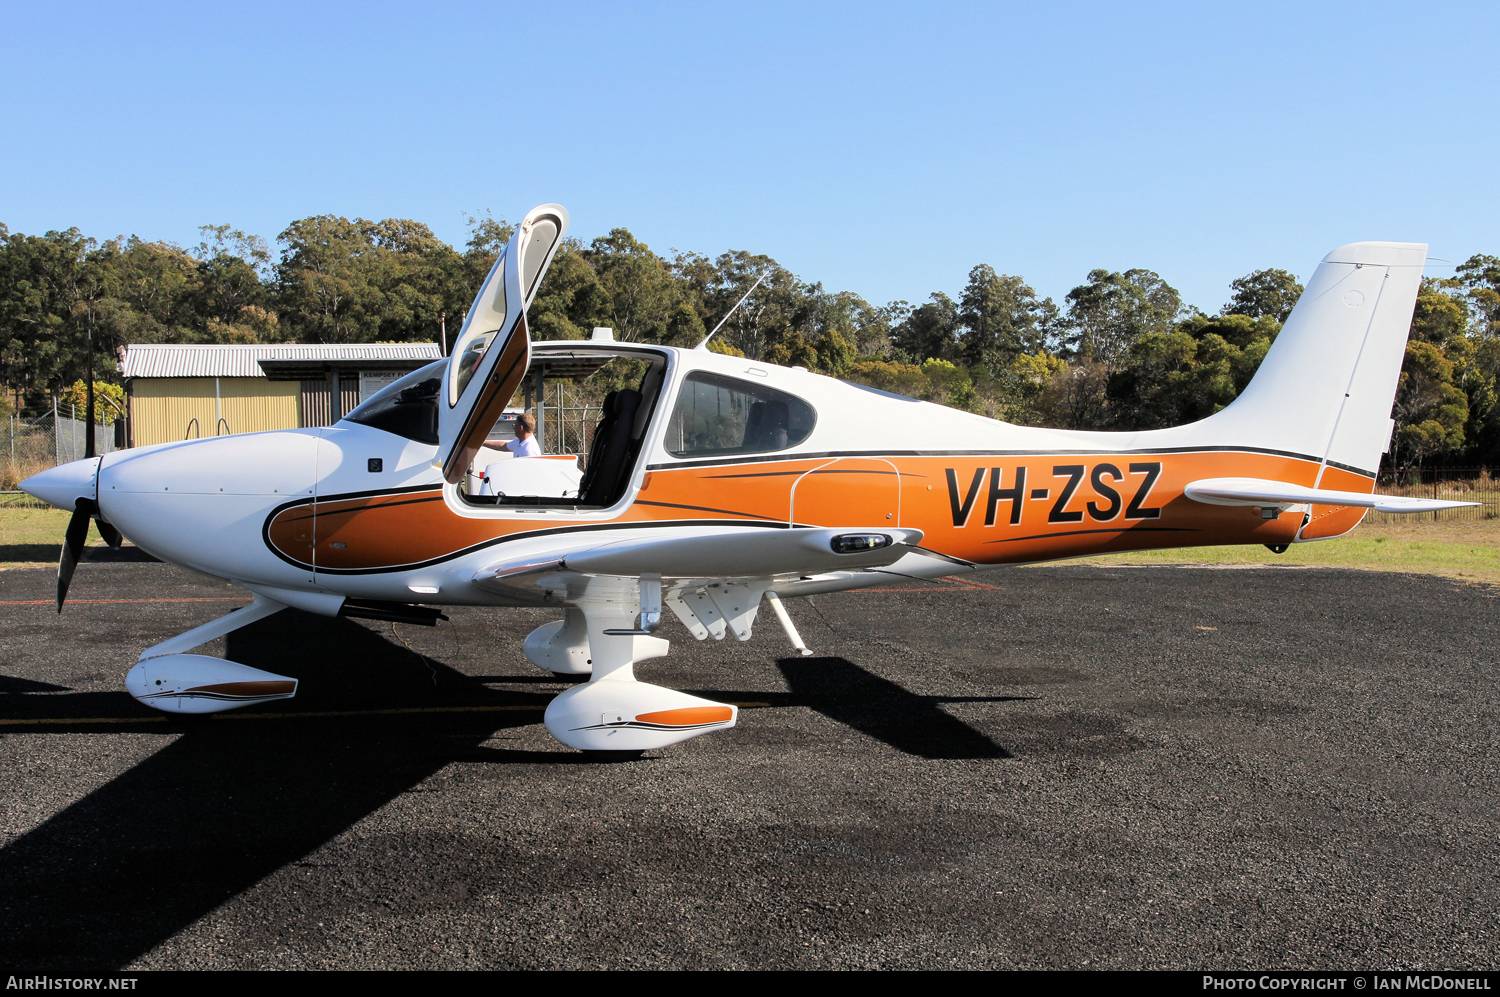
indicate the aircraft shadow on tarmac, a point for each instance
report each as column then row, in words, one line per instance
column 848, row 694
column 22, row 686
column 47, row 554
column 228, row 802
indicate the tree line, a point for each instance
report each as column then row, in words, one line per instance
column 1121, row 351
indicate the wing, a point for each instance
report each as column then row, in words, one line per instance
column 720, row 554
column 1261, row 491
column 712, row 580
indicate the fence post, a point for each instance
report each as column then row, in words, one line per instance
column 541, row 412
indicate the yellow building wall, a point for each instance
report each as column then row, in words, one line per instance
column 162, row 408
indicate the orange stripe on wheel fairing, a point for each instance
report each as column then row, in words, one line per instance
column 689, row 716
column 262, row 688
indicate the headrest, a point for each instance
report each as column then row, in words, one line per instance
column 626, row 400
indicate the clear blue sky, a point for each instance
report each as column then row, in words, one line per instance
column 879, row 148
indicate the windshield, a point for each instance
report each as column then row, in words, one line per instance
column 408, row 408
column 718, row 415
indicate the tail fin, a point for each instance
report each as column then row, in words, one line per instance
column 1326, row 387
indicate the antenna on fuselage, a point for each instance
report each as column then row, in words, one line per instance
column 704, row 345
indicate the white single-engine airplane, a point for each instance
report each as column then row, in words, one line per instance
column 716, row 482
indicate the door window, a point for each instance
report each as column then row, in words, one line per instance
column 717, row 415
column 475, row 343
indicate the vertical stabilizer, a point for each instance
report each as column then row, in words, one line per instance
column 1327, row 385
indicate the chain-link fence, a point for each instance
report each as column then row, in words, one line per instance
column 72, row 442
column 32, row 445
column 567, row 420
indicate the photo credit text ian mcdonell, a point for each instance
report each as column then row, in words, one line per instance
column 1349, row 982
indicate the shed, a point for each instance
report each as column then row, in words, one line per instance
column 182, row 392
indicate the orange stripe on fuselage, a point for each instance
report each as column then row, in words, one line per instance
column 968, row 507
column 1336, row 520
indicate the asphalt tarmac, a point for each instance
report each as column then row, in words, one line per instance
column 1078, row 767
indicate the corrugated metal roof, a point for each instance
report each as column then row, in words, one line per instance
column 157, row 360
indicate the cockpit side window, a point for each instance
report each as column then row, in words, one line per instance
column 717, row 416
column 408, row 407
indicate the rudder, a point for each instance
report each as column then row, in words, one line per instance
column 1326, row 387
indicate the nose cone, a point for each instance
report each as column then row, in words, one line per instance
column 66, row 483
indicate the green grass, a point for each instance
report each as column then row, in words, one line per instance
column 32, row 538
column 1468, row 549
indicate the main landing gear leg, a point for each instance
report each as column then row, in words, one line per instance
column 561, row 647
column 615, row 712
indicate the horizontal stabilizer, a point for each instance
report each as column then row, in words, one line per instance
column 1261, row 491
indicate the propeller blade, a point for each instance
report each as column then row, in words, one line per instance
column 78, row 532
column 109, row 533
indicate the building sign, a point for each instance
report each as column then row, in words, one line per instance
column 371, row 381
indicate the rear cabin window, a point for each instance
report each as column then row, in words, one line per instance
column 717, row 415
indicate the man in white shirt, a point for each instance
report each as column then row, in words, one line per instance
column 524, row 445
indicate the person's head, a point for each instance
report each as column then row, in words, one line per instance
column 525, row 425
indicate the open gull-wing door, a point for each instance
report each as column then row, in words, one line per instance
column 493, row 349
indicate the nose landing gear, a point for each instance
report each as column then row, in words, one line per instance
column 168, row 680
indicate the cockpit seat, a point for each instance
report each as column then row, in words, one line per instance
column 766, row 426
column 609, row 454
column 546, row 477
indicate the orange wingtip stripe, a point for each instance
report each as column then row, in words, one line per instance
column 688, row 716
